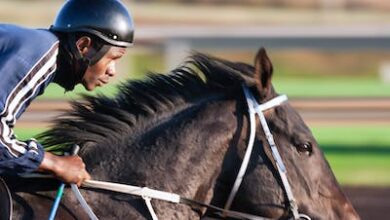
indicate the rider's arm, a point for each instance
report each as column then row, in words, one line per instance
column 17, row 90
column 18, row 157
column 27, row 65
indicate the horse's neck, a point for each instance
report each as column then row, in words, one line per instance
column 185, row 151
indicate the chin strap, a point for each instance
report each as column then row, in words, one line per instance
column 81, row 63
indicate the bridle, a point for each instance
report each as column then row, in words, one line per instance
column 147, row 194
column 254, row 109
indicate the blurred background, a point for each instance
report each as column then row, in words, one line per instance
column 331, row 57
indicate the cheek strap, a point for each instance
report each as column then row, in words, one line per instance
column 91, row 58
column 95, row 57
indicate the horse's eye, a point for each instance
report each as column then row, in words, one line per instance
column 306, row 148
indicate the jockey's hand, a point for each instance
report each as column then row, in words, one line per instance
column 69, row 169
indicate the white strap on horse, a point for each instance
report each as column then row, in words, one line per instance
column 133, row 190
column 144, row 192
column 255, row 108
column 150, row 207
column 147, row 194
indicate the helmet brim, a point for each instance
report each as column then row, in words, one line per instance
column 113, row 42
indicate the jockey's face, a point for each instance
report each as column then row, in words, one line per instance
column 100, row 73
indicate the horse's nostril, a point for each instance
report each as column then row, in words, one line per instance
column 305, row 148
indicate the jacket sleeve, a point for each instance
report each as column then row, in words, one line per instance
column 17, row 157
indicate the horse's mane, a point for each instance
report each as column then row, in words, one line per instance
column 96, row 119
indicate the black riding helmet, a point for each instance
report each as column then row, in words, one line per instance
column 109, row 20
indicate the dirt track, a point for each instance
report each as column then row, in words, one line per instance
column 371, row 203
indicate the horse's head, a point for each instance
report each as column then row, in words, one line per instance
column 313, row 184
column 187, row 132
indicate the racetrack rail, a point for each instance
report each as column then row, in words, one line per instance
column 314, row 111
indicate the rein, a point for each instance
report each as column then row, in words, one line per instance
column 147, row 194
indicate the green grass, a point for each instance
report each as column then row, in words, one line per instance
column 357, row 155
column 360, row 168
column 331, row 87
column 358, row 136
column 53, row 91
column 27, row 133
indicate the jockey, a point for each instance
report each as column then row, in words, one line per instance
column 81, row 47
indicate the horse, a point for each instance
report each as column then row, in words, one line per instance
column 186, row 132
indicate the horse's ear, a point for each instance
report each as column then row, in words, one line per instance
column 263, row 72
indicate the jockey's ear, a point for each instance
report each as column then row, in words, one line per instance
column 84, row 45
column 263, row 73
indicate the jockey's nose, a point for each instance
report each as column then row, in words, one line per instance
column 111, row 70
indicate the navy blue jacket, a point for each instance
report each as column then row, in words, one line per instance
column 27, row 65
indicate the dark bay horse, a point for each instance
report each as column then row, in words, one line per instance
column 186, row 133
